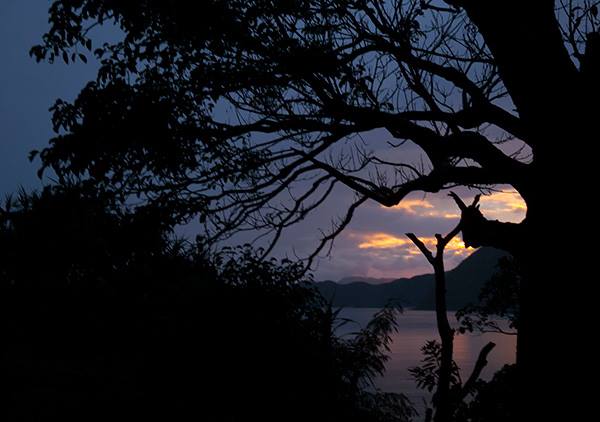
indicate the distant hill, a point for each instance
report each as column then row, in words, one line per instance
column 371, row 280
column 463, row 285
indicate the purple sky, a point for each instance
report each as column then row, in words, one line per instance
column 374, row 244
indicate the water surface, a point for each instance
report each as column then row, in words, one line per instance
column 414, row 329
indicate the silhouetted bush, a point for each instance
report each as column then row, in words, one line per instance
column 106, row 316
column 495, row 400
column 499, row 298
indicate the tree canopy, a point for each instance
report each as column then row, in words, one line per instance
column 226, row 107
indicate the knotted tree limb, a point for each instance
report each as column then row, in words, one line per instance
column 479, row 231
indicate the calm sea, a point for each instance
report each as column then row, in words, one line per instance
column 414, row 329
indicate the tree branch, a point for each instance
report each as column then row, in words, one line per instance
column 422, row 247
column 478, row 231
column 439, row 179
column 529, row 53
column 480, row 364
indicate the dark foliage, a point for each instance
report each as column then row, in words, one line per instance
column 495, row 400
column 103, row 314
column 499, row 298
column 427, row 374
column 71, row 236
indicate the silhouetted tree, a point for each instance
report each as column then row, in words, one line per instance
column 302, row 77
column 439, row 371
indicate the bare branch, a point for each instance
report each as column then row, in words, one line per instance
column 330, row 237
column 421, row 247
column 480, row 364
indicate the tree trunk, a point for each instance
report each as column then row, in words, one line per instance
column 444, row 405
column 557, row 301
column 557, row 298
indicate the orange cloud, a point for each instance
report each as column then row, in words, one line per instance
column 413, row 206
column 380, row 240
column 502, row 205
column 380, row 251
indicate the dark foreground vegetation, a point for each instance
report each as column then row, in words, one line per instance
column 105, row 316
column 104, row 313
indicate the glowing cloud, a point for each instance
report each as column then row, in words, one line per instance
column 455, row 247
column 502, row 205
column 413, row 206
column 382, row 241
column 375, row 245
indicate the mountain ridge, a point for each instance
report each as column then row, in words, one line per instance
column 463, row 284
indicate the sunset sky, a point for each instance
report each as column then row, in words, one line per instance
column 374, row 245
